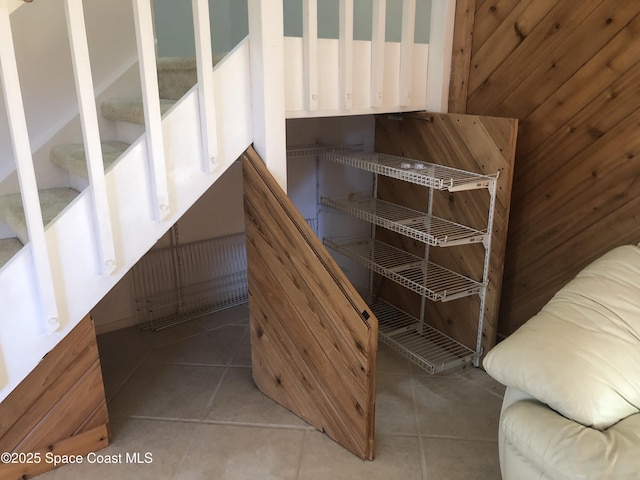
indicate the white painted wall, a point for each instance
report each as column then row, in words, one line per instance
column 220, row 210
column 174, row 26
column 217, row 213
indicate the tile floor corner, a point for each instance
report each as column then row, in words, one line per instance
column 186, row 397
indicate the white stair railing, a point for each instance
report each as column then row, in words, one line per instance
column 377, row 52
column 206, row 88
column 26, row 175
column 143, row 18
column 91, row 133
column 370, row 76
column 406, row 52
column 310, row 53
column 345, row 39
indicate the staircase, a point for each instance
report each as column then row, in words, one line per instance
column 63, row 248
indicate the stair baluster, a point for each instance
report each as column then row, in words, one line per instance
column 91, row 134
column 151, row 98
column 24, row 166
column 206, row 88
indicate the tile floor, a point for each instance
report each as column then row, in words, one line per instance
column 185, row 396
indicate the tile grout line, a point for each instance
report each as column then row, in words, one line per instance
column 423, row 459
column 126, row 378
column 240, row 343
column 209, row 404
column 180, row 463
column 488, row 390
column 304, row 442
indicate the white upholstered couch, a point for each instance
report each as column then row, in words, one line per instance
column 572, row 405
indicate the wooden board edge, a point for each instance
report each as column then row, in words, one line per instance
column 81, row 444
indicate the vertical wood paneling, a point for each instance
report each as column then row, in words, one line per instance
column 571, row 74
column 461, row 56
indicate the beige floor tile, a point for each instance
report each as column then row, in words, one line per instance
column 224, row 452
column 239, row 400
column 115, row 373
column 48, row 475
column 390, row 361
column 233, row 315
column 165, row 442
column 169, row 335
column 482, row 379
column 396, row 458
column 242, row 357
column 167, row 391
column 453, row 407
column 216, row 347
column 126, row 343
column 461, row 460
column 394, row 405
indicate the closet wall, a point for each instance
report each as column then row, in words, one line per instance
column 570, row 72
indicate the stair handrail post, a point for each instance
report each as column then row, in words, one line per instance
column 266, row 44
column 91, row 134
column 346, row 53
column 26, row 175
column 443, row 15
column 406, row 51
column 378, row 42
column 143, row 19
column 206, row 86
column 310, row 53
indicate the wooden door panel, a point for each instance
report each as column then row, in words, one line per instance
column 313, row 339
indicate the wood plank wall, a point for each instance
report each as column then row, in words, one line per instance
column 570, row 72
column 59, row 409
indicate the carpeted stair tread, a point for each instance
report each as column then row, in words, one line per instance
column 130, row 110
column 72, row 157
column 8, row 248
column 52, row 202
column 176, row 75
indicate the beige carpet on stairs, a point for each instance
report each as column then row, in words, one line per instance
column 72, row 158
column 8, row 248
column 52, row 202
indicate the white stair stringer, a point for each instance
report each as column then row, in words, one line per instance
column 71, row 238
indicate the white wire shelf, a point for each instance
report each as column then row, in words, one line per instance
column 421, row 173
column 418, row 225
column 423, row 345
column 314, row 150
column 423, row 277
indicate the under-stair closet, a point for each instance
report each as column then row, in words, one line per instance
column 110, row 139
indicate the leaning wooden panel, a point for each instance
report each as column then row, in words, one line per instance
column 478, row 144
column 313, row 339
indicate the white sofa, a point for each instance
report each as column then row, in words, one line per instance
column 572, row 405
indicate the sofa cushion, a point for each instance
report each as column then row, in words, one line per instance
column 581, row 354
column 559, row 448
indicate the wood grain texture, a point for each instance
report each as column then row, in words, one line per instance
column 573, row 80
column 313, row 339
column 461, row 55
column 469, row 142
column 60, row 406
